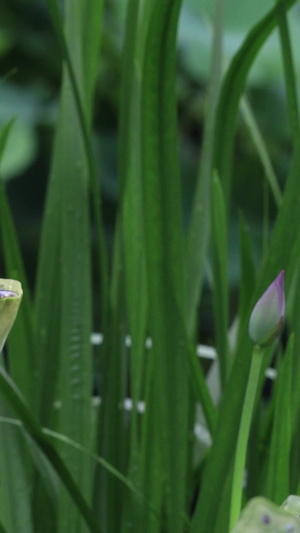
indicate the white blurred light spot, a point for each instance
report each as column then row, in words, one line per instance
column 202, row 434
column 128, row 341
column 148, row 343
column 128, row 406
column 97, row 338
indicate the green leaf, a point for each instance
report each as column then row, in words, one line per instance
column 15, row 489
column 201, row 390
column 247, row 278
column 82, row 72
column 166, row 417
column 112, row 438
column 17, row 404
column 289, row 72
column 220, row 276
column 20, row 151
column 133, row 242
column 198, row 233
column 278, row 482
column 294, row 318
column 50, row 474
column 75, row 371
column 4, row 135
column 232, row 89
column 261, row 149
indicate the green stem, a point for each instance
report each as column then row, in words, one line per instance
column 241, row 448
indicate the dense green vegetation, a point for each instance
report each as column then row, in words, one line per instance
column 149, row 196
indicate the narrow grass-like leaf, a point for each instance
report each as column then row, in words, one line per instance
column 82, row 80
column 201, row 391
column 254, row 467
column 289, row 71
column 47, row 300
column 222, row 523
column 112, row 442
column 198, row 233
column 107, row 466
column 15, row 489
column 247, row 277
column 165, row 421
column 91, row 40
column 232, row 90
column 134, row 253
column 243, row 435
column 220, row 276
column 261, row 149
column 4, row 134
column 75, row 372
column 51, row 477
column 69, row 442
column 47, row 488
column 130, row 94
column 131, row 197
column 18, row 405
column 294, row 318
column 278, row 483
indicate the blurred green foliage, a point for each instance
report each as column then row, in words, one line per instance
column 152, row 281
column 30, row 64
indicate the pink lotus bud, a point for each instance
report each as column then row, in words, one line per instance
column 267, row 316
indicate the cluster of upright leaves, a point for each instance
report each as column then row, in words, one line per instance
column 148, row 481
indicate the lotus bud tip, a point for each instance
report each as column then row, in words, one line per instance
column 268, row 314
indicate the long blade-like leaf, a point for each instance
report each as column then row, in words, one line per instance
column 232, row 90
column 167, row 407
column 198, row 233
column 18, row 405
column 278, row 482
